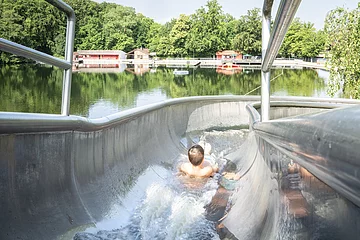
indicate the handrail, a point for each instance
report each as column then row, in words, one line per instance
column 284, row 17
column 20, row 50
column 63, row 7
column 325, row 144
column 272, row 43
column 265, row 76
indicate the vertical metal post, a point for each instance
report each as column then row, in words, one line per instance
column 265, row 76
column 286, row 12
column 69, row 48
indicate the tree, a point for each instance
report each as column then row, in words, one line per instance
column 32, row 24
column 110, row 26
column 11, row 28
column 231, row 25
column 313, row 43
column 153, row 37
column 158, row 36
column 208, row 32
column 248, row 38
column 118, row 28
column 302, row 40
column 92, row 35
column 291, row 46
column 342, row 28
column 141, row 30
column 178, row 36
column 87, row 13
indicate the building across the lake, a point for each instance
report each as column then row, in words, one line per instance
column 228, row 55
column 139, row 54
column 138, row 69
column 98, row 56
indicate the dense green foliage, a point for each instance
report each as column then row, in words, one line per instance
column 302, row 40
column 343, row 33
column 248, row 33
column 32, row 23
column 108, row 26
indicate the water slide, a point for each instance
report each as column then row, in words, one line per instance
column 68, row 177
column 64, row 176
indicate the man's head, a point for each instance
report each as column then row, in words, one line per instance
column 196, row 155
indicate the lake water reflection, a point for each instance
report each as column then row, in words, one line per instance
column 99, row 92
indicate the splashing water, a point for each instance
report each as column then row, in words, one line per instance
column 167, row 214
column 174, row 208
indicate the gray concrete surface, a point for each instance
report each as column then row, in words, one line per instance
column 61, row 173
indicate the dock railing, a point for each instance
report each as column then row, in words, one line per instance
column 20, row 50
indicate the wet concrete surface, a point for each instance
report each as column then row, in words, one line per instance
column 82, row 174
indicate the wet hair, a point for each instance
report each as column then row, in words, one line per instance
column 196, row 155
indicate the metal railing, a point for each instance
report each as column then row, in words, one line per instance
column 271, row 44
column 20, row 50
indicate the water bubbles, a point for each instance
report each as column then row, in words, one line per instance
column 175, row 207
column 169, row 214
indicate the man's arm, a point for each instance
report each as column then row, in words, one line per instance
column 182, row 168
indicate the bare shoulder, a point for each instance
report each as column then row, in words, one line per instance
column 207, row 171
column 214, row 167
column 184, row 167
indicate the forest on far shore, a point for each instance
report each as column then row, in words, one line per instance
column 109, row 26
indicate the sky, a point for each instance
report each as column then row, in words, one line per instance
column 164, row 10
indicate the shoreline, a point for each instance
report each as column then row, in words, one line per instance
column 210, row 63
column 202, row 63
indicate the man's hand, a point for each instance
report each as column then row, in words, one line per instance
column 215, row 167
column 231, row 176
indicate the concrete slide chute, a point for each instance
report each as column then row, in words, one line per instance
column 62, row 175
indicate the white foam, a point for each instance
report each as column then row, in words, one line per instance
column 169, row 207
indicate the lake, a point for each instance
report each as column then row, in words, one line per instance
column 100, row 92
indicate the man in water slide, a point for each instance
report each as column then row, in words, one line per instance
column 197, row 166
column 208, row 157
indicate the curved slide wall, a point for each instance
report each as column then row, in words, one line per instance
column 255, row 210
column 58, row 173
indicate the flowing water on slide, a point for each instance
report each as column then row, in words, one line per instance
column 170, row 206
